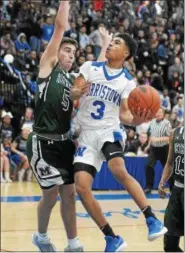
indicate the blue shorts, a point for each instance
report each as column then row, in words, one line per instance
column 16, row 159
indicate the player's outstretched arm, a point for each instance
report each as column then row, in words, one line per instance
column 127, row 118
column 80, row 86
column 106, row 40
column 168, row 169
column 49, row 57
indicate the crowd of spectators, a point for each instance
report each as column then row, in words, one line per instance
column 26, row 28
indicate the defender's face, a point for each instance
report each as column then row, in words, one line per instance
column 66, row 56
column 117, row 50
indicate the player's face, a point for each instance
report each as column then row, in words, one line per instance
column 66, row 56
column 117, row 50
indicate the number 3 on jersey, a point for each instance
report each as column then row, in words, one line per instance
column 100, row 110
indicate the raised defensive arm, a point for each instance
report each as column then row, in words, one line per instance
column 49, row 57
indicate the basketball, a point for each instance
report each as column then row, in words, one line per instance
column 144, row 96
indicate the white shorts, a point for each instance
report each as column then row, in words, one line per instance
column 90, row 143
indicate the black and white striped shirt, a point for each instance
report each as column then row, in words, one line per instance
column 160, row 128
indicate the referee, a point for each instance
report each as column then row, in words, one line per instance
column 159, row 132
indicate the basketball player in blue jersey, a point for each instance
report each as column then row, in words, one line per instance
column 101, row 110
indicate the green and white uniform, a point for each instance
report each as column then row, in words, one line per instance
column 49, row 151
column 174, row 215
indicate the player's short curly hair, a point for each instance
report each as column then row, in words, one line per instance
column 130, row 42
column 69, row 41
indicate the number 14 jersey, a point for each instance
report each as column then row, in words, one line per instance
column 178, row 144
column 99, row 107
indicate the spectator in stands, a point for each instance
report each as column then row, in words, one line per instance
column 81, row 60
column 143, row 11
column 167, row 114
column 5, row 167
column 162, row 52
column 27, row 118
column 7, row 147
column 19, row 61
column 72, row 32
column 147, row 77
column 18, row 149
column 175, row 83
column 138, row 146
column 32, row 62
column 130, row 138
column 83, row 38
column 179, row 109
column 95, row 39
column 165, row 100
column 7, row 130
column 90, row 57
column 6, row 26
column 173, row 120
column 7, row 43
column 89, row 49
column 177, row 67
column 47, row 29
column 158, row 8
column 21, row 43
column 35, row 36
column 137, row 27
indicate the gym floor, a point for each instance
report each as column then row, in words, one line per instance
column 19, row 220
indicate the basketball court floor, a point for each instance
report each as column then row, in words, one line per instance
column 18, row 220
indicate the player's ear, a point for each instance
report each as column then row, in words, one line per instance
column 127, row 53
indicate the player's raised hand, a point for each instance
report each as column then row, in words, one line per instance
column 161, row 190
column 106, row 36
column 141, row 116
column 77, row 92
column 63, row 14
column 85, row 88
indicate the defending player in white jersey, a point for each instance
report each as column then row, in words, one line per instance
column 101, row 110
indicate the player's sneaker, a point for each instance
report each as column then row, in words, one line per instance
column 8, row 180
column 114, row 244
column 155, row 228
column 3, row 180
column 43, row 244
column 78, row 249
